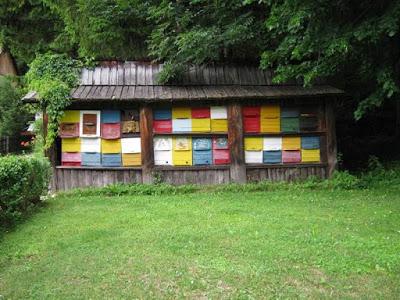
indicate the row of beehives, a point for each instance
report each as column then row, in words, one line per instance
column 94, row 152
column 275, row 150
column 127, row 151
column 274, row 119
column 259, row 150
column 188, row 151
column 271, row 118
column 112, row 124
column 108, row 124
column 181, row 151
column 187, row 119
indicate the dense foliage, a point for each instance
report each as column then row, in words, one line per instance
column 52, row 77
column 355, row 44
column 13, row 115
column 23, row 179
column 27, row 27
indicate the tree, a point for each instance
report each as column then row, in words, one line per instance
column 102, row 29
column 354, row 43
column 27, row 27
column 13, row 115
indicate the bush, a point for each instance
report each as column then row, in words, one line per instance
column 342, row 180
column 23, row 179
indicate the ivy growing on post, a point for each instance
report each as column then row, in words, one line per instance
column 52, row 76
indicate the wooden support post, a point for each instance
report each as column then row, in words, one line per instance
column 146, row 137
column 235, row 139
column 331, row 147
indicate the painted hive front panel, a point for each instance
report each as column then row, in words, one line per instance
column 162, row 150
column 272, row 157
column 111, row 159
column 182, row 151
column 71, row 158
column 91, row 159
column 130, row 122
column 131, row 159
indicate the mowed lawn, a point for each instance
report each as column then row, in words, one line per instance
column 276, row 244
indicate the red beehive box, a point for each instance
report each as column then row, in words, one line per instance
column 251, row 111
column 162, row 126
column 221, row 157
column 201, row 113
column 111, row 130
column 251, row 124
column 71, row 159
column 291, row 156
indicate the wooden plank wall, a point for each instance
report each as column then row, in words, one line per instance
column 195, row 176
column 70, row 178
column 285, row 173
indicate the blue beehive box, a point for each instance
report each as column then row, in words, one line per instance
column 91, row 159
column 310, row 142
column 202, row 157
column 162, row 114
column 290, row 112
column 272, row 157
column 201, row 144
column 111, row 160
column 110, row 116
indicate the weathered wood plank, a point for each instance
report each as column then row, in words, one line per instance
column 235, row 140
column 331, row 148
column 146, row 137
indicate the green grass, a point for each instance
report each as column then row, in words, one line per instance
column 289, row 243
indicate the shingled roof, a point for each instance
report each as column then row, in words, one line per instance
column 138, row 81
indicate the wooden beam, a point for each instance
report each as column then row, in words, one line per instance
column 331, row 147
column 146, row 137
column 235, row 139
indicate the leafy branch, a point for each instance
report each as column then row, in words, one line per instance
column 52, row 76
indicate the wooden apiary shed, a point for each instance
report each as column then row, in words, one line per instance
column 217, row 124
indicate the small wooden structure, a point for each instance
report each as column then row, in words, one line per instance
column 217, row 124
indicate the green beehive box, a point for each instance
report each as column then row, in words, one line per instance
column 290, row 125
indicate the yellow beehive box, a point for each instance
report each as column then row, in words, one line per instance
column 131, row 159
column 182, row 143
column 201, row 125
column 181, row 113
column 219, row 125
column 270, row 111
column 71, row 145
column 253, row 143
column 111, row 146
column 291, row 143
column 270, row 125
column 182, row 158
column 70, row 116
column 310, row 155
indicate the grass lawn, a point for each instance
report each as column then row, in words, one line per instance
column 280, row 244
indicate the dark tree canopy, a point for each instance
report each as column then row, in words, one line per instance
column 353, row 43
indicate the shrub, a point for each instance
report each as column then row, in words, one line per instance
column 23, row 179
column 342, row 180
